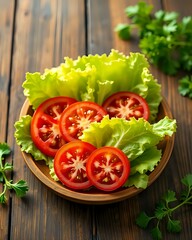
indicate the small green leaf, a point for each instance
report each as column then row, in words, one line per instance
column 156, row 233
column 143, row 220
column 4, row 149
column 171, row 16
column 185, row 86
column 160, row 211
column 20, row 188
column 159, row 14
column 123, row 31
column 187, row 21
column 169, row 196
column 3, row 198
column 184, row 195
column 187, row 180
column 174, row 226
column 8, row 167
column 139, row 12
column 170, row 28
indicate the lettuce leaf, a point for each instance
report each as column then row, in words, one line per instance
column 133, row 137
column 138, row 180
column 146, row 161
column 95, row 78
column 136, row 138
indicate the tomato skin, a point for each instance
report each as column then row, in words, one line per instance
column 126, row 105
column 70, row 164
column 45, row 131
column 77, row 117
column 108, row 168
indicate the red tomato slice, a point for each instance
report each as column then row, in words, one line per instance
column 78, row 117
column 126, row 105
column 70, row 164
column 45, row 130
column 108, row 168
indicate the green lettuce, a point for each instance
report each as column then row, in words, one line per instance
column 94, row 78
column 138, row 139
column 133, row 137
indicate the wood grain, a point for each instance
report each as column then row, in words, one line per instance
column 6, row 35
column 121, row 218
column 46, row 31
column 37, row 34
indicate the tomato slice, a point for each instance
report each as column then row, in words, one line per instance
column 78, row 117
column 45, row 130
column 126, row 105
column 108, row 168
column 70, row 164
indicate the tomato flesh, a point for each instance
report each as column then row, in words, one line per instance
column 108, row 168
column 45, row 131
column 70, row 164
column 126, row 105
column 78, row 117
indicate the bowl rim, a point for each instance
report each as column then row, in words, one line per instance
column 99, row 197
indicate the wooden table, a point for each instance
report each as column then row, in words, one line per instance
column 37, row 34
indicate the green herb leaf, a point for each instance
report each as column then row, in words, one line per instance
column 185, row 86
column 123, row 31
column 4, row 149
column 8, row 167
column 187, row 180
column 143, row 220
column 3, row 198
column 174, row 226
column 164, row 39
column 169, row 197
column 140, row 13
column 156, row 233
column 20, row 188
column 160, row 211
column 164, row 211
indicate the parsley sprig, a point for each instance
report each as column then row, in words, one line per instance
column 163, row 38
column 19, row 187
column 165, row 209
column 185, row 86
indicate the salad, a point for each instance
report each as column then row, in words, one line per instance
column 97, row 80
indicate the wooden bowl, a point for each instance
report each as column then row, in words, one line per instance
column 93, row 196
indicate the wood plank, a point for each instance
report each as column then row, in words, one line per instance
column 182, row 7
column 103, row 17
column 6, row 27
column 6, row 33
column 182, row 109
column 120, row 217
column 46, row 31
